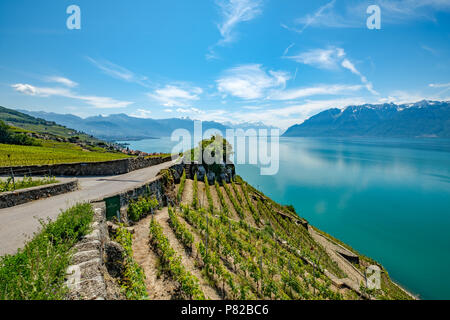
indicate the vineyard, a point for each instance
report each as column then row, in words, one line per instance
column 231, row 242
column 51, row 153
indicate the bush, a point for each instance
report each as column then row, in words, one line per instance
column 141, row 207
column 37, row 272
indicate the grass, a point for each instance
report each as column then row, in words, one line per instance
column 51, row 152
column 25, row 182
column 37, row 272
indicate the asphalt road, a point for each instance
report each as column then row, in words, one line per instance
column 17, row 224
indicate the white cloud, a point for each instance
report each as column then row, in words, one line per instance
column 175, row 96
column 250, row 81
column 119, row 72
column 141, row 113
column 64, row 81
column 95, row 101
column 234, row 12
column 190, row 110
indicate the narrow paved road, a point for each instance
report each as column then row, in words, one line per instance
column 19, row 223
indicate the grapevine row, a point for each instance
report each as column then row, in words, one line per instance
column 172, row 263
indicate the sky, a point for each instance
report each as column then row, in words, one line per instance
column 278, row 62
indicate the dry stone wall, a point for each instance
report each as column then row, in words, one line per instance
column 14, row 198
column 105, row 168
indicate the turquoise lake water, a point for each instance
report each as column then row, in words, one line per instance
column 388, row 199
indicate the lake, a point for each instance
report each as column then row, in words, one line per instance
column 389, row 199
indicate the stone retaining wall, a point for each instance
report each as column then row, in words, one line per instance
column 85, row 275
column 104, row 168
column 14, row 198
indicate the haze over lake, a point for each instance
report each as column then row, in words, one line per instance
column 389, row 199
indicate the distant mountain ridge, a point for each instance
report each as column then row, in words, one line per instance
column 124, row 127
column 421, row 119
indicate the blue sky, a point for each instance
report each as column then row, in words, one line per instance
column 278, row 62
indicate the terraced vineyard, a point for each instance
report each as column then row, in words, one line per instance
column 232, row 242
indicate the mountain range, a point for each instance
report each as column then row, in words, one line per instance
column 421, row 119
column 124, row 127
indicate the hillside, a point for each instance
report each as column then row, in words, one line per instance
column 43, row 127
column 421, row 119
column 233, row 242
column 25, row 140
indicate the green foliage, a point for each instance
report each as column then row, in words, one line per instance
column 25, row 182
column 141, row 207
column 172, row 263
column 181, row 187
column 10, row 137
column 133, row 281
column 37, row 272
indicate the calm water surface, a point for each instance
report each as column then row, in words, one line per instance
column 388, row 199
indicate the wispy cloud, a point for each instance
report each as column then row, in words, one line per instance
column 325, row 16
column 439, row 85
column 352, row 14
column 250, row 81
column 119, row 72
column 233, row 13
column 331, row 58
column 312, row 19
column 286, row 51
column 61, row 80
column 95, row 101
column 294, row 94
column 401, row 11
column 175, row 96
column 320, row 58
